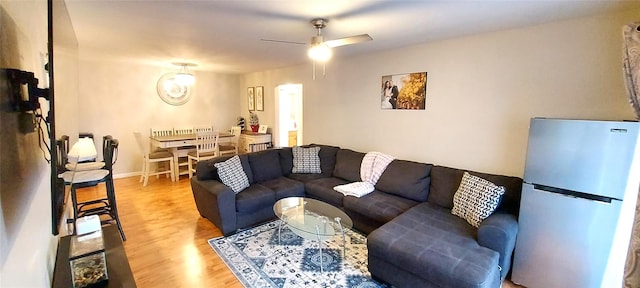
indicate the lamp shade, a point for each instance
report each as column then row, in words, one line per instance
column 83, row 150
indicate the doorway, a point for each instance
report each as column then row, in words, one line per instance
column 288, row 115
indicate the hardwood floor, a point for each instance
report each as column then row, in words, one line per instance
column 166, row 237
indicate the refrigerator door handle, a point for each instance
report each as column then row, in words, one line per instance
column 575, row 194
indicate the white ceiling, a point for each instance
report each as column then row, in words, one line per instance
column 224, row 35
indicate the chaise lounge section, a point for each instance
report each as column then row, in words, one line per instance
column 429, row 235
column 414, row 240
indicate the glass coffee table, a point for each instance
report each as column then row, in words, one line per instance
column 312, row 219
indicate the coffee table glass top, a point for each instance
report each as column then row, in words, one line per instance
column 311, row 217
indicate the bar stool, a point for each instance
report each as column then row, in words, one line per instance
column 153, row 157
column 232, row 146
column 102, row 206
column 182, row 152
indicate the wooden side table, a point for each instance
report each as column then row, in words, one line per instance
column 252, row 142
column 117, row 264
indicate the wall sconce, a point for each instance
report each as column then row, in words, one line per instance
column 184, row 77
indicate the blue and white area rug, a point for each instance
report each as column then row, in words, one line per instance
column 258, row 260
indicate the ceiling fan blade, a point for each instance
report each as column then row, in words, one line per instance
column 283, row 41
column 348, row 40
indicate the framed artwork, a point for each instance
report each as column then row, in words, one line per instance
column 262, row 129
column 260, row 98
column 404, row 91
column 251, row 99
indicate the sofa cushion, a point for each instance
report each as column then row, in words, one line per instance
column 510, row 202
column 430, row 242
column 286, row 160
column 327, row 156
column 348, row 165
column 285, row 187
column 407, row 179
column 476, row 199
column 378, row 206
column 205, row 170
column 306, row 177
column 322, row 189
column 255, row 198
column 232, row 175
column 306, row 160
column 445, row 182
column 265, row 165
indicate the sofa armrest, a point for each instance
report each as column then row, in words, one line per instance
column 216, row 202
column 498, row 232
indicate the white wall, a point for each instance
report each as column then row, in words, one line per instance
column 118, row 98
column 28, row 247
column 481, row 92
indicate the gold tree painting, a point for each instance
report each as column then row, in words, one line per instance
column 404, row 91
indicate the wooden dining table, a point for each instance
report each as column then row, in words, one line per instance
column 178, row 146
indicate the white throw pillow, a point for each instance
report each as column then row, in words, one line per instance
column 476, row 199
column 232, row 175
column 306, row 160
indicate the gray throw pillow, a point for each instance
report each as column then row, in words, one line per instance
column 306, row 160
column 476, row 199
column 232, row 175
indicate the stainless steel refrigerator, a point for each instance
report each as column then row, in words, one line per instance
column 581, row 183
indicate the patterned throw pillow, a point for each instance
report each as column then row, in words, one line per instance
column 306, row 160
column 232, row 175
column 476, row 199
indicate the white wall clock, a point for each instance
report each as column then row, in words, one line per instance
column 171, row 91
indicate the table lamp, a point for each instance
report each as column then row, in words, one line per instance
column 82, row 150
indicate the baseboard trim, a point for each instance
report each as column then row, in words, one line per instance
column 125, row 175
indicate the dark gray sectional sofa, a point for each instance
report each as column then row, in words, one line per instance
column 413, row 239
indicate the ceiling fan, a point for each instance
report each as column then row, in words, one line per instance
column 320, row 50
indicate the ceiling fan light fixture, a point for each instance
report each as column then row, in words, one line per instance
column 320, row 52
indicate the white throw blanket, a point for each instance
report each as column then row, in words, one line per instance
column 372, row 167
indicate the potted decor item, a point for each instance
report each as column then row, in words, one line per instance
column 254, row 122
column 241, row 122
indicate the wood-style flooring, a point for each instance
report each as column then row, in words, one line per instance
column 166, row 237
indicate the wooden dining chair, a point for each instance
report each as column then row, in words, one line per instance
column 206, row 148
column 232, row 146
column 183, row 131
column 183, row 162
column 159, row 132
column 154, row 157
column 199, row 129
column 155, row 132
